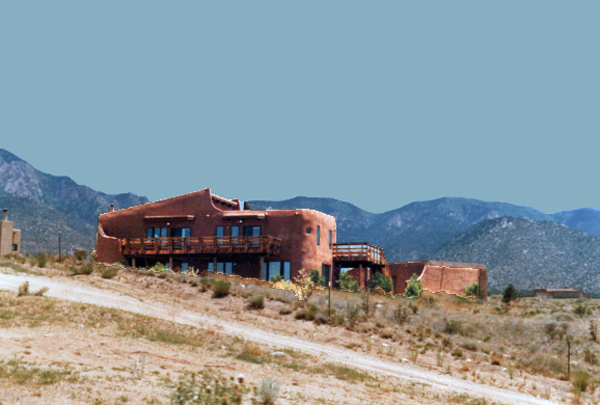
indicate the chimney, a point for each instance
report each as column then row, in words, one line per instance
column 5, row 214
column 112, row 208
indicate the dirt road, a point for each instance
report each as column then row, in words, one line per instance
column 74, row 290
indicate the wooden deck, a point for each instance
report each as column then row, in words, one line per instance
column 265, row 245
column 358, row 252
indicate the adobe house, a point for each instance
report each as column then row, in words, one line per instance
column 549, row 293
column 10, row 238
column 208, row 232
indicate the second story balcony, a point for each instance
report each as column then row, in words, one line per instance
column 358, row 252
column 262, row 245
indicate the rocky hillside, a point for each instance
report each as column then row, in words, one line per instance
column 42, row 205
column 419, row 229
column 529, row 254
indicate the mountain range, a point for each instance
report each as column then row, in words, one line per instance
column 518, row 244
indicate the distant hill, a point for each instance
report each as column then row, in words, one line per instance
column 417, row 230
column 41, row 205
column 529, row 254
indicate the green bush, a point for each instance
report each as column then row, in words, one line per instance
column 158, row 267
column 41, row 260
column 256, row 302
column 276, row 278
column 267, row 391
column 80, row 255
column 110, row 272
column 221, row 288
column 379, row 279
column 347, row 282
column 413, row 287
column 580, row 381
column 317, row 278
column 510, row 294
column 209, row 388
column 85, row 269
column 474, row 291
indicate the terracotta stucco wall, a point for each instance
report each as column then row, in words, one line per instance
column 6, row 237
column 453, row 278
column 400, row 273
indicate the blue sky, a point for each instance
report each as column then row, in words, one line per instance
column 375, row 103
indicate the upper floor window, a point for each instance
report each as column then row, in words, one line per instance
column 251, row 230
column 330, row 239
column 181, row 232
column 318, row 235
column 15, row 248
column 220, row 231
column 235, row 231
column 156, row 233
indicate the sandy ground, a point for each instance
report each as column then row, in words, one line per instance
column 82, row 344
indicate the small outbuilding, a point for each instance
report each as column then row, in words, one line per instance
column 10, row 238
column 547, row 293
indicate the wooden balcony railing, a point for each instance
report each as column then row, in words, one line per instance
column 208, row 245
column 358, row 252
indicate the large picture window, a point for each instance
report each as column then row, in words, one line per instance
column 156, row 233
column 181, row 232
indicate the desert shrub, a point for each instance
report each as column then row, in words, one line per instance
column 452, row 327
column 209, row 388
column 84, row 269
column 580, row 381
column 510, row 294
column 347, row 282
column 221, row 288
column 110, row 272
column 352, row 312
column 256, row 302
column 303, row 285
column 413, row 287
column 457, row 353
column 473, row 291
column 23, row 289
column 308, row 313
column 41, row 260
column 579, row 310
column 80, row 255
column 379, row 279
column 267, row 391
column 205, row 283
column 593, row 328
column 590, row 356
column 158, row 267
column 285, row 310
column 401, row 314
column 366, row 305
column 276, row 278
column 316, row 277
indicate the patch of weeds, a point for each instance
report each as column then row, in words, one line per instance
column 221, row 288
column 110, row 272
column 256, row 302
column 209, row 387
column 251, row 354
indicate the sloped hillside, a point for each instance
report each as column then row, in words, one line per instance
column 529, row 254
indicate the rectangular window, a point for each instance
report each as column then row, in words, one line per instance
column 235, row 231
column 163, row 233
column 252, row 231
column 330, row 239
column 150, row 233
column 220, row 267
column 220, row 231
column 287, row 270
column 184, row 267
column 180, row 232
column 15, row 248
column 229, row 268
column 167, row 265
column 266, row 271
column 318, row 235
column 157, row 232
column 211, row 266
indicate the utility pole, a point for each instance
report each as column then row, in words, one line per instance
column 568, row 357
column 59, row 250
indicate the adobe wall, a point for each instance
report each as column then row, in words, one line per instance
column 453, row 278
column 400, row 273
column 16, row 241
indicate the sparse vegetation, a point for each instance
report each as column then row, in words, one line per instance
column 110, row 272
column 267, row 391
column 80, row 255
column 221, row 288
column 510, row 294
column 208, row 388
column 256, row 302
column 347, row 282
column 378, row 279
column 317, row 278
column 413, row 287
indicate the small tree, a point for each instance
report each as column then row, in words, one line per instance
column 510, row 294
column 379, row 279
column 317, row 278
column 347, row 282
column 303, row 285
column 413, row 287
column 473, row 291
